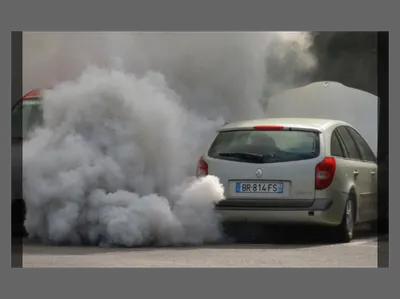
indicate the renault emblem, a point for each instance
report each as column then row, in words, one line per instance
column 259, row 173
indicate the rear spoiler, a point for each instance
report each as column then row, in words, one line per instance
column 271, row 128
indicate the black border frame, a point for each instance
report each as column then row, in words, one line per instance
column 383, row 145
column 16, row 94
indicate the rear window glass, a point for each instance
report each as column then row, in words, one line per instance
column 265, row 146
column 26, row 116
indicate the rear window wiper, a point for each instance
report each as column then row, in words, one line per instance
column 249, row 156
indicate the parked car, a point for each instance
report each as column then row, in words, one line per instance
column 26, row 115
column 294, row 171
column 333, row 100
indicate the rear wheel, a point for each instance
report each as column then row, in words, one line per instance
column 18, row 218
column 345, row 231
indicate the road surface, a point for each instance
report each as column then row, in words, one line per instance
column 362, row 252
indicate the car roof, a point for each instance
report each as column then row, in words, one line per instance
column 33, row 94
column 305, row 123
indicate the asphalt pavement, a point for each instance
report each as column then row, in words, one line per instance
column 289, row 250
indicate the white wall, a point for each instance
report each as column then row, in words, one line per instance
column 330, row 100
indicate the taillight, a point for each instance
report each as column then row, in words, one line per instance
column 324, row 173
column 202, row 168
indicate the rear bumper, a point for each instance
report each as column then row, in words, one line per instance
column 322, row 211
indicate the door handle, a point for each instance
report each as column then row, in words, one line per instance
column 373, row 173
column 356, row 173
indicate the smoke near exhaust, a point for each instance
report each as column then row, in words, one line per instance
column 125, row 121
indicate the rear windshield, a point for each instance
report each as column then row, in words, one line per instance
column 265, row 146
column 26, row 116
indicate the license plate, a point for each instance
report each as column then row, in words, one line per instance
column 259, row 187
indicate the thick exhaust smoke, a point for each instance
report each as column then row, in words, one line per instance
column 125, row 122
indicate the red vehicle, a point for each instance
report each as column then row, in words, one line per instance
column 26, row 115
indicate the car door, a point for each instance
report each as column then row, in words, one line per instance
column 344, row 166
column 16, row 153
column 358, row 171
column 26, row 116
column 369, row 161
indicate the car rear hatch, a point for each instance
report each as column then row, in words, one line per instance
column 266, row 166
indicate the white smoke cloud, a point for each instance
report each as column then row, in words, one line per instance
column 225, row 71
column 113, row 163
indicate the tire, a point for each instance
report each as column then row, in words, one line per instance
column 18, row 219
column 345, row 231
